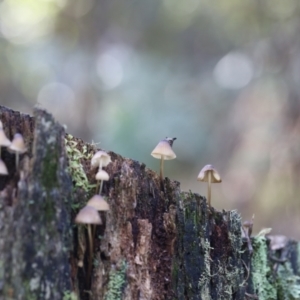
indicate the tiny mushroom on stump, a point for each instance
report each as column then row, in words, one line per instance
column 3, row 169
column 100, row 159
column 89, row 215
column 4, row 141
column 101, row 176
column 164, row 151
column 98, row 203
column 17, row 146
column 209, row 174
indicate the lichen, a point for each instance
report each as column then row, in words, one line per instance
column 75, row 167
column 69, row 295
column 204, row 279
column 116, row 283
column 261, row 271
column 288, row 284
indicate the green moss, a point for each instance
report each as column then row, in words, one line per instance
column 49, row 180
column 49, row 169
column 116, row 283
column 261, row 271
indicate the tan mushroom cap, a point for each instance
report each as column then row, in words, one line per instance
column 164, row 149
column 4, row 141
column 102, row 175
column 17, row 144
column 88, row 215
column 203, row 175
column 98, row 203
column 100, row 156
column 3, row 169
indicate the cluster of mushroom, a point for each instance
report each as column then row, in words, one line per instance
column 89, row 214
column 16, row 146
column 164, row 151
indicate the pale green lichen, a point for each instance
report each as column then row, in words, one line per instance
column 68, row 295
column 116, row 283
column 261, row 271
column 75, row 167
column 288, row 284
column 204, row 279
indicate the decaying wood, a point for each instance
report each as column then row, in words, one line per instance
column 156, row 242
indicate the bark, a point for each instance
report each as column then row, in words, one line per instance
column 156, row 242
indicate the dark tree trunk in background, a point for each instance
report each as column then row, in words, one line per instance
column 156, row 242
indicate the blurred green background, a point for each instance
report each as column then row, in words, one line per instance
column 221, row 76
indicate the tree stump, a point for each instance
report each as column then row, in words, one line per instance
column 156, row 242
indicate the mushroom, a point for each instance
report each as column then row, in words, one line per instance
column 4, row 141
column 17, row 145
column 98, row 203
column 3, row 169
column 89, row 215
column 164, row 151
column 100, row 159
column 209, row 174
column 101, row 176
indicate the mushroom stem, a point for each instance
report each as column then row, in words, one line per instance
column 162, row 167
column 90, row 237
column 17, row 160
column 209, row 188
column 100, row 168
column 101, row 185
column 97, row 187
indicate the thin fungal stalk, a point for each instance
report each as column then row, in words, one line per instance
column 17, row 160
column 209, row 189
column 162, row 167
column 90, row 237
column 101, row 185
column 98, row 190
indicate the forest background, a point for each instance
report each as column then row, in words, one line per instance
column 221, row 76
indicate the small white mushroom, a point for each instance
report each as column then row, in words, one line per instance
column 100, row 159
column 164, row 151
column 101, row 176
column 17, row 146
column 3, row 169
column 98, row 203
column 89, row 215
column 209, row 174
column 4, row 141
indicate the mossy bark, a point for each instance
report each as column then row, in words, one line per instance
column 156, row 242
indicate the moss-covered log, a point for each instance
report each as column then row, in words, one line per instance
column 156, row 242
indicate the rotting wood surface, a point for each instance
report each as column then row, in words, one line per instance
column 156, row 242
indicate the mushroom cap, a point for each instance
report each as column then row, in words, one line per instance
column 203, row 175
column 88, row 215
column 4, row 141
column 3, row 169
column 98, row 203
column 164, row 149
column 102, row 175
column 100, row 156
column 277, row 241
column 17, row 144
